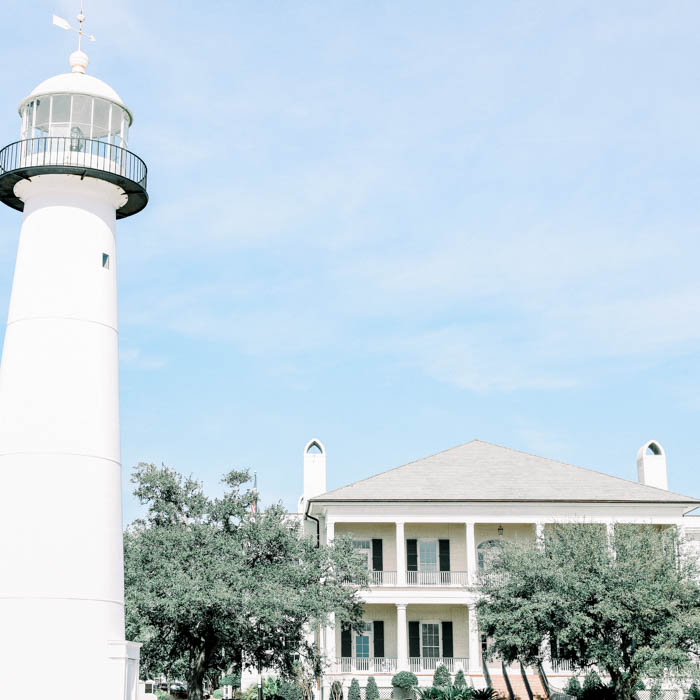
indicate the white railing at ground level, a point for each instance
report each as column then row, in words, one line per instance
column 382, row 578
column 366, row 664
column 437, row 578
column 430, row 663
column 561, row 666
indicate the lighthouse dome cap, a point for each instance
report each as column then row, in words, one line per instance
column 77, row 83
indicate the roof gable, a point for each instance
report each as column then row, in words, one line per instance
column 481, row 471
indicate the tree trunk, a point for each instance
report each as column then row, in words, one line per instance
column 625, row 688
column 196, row 675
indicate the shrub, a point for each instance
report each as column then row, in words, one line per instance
column 218, row 694
column 337, row 690
column 485, row 694
column 573, row 687
column 460, row 680
column 455, row 693
column 431, row 693
column 372, row 692
column 233, row 679
column 405, row 680
column 354, row 693
column 441, row 677
column 289, row 691
column 693, row 692
column 591, row 681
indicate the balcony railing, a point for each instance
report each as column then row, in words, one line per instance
column 430, row 663
column 73, row 155
column 561, row 666
column 366, row 664
column 437, row 578
column 382, row 578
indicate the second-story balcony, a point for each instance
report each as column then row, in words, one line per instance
column 437, row 578
column 419, row 578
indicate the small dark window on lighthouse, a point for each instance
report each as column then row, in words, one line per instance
column 105, row 261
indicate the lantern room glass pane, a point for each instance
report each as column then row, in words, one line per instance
column 27, row 115
column 100, row 124
column 41, row 120
column 60, row 115
column 82, row 112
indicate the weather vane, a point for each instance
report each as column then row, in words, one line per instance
column 64, row 24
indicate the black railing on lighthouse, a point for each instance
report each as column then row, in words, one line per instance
column 74, row 155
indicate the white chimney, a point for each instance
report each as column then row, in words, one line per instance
column 314, row 472
column 651, row 465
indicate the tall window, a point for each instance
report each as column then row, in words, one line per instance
column 363, row 642
column 363, row 548
column 427, row 555
column 430, row 639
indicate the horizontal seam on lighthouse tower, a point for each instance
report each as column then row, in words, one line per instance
column 62, row 318
column 59, row 597
column 60, row 454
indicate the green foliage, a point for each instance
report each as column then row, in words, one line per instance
column 209, row 586
column 336, row 690
column 405, row 680
column 272, row 689
column 441, row 677
column 484, row 694
column 430, row 693
column 591, row 681
column 693, row 692
column 289, row 691
column 630, row 607
column 233, row 679
column 218, row 694
column 354, row 693
column 460, row 680
column 459, row 693
column 372, row 692
column 595, row 689
column 573, row 687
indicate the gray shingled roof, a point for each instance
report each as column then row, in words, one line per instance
column 480, row 471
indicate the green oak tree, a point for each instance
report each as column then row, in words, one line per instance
column 215, row 584
column 628, row 605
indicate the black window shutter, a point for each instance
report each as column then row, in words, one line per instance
column 412, row 555
column 345, row 643
column 444, row 555
column 414, row 638
column 379, row 637
column 447, row 646
column 377, row 560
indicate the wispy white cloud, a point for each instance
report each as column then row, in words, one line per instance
column 135, row 359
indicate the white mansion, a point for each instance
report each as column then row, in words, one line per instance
column 425, row 527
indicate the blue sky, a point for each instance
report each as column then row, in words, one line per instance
column 397, row 227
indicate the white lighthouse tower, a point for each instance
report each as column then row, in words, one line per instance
column 61, row 562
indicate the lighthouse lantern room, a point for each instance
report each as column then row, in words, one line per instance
column 62, row 582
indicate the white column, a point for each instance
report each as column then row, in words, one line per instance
column 610, row 533
column 474, row 642
column 329, row 634
column 539, row 534
column 471, row 553
column 400, row 555
column 401, row 636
